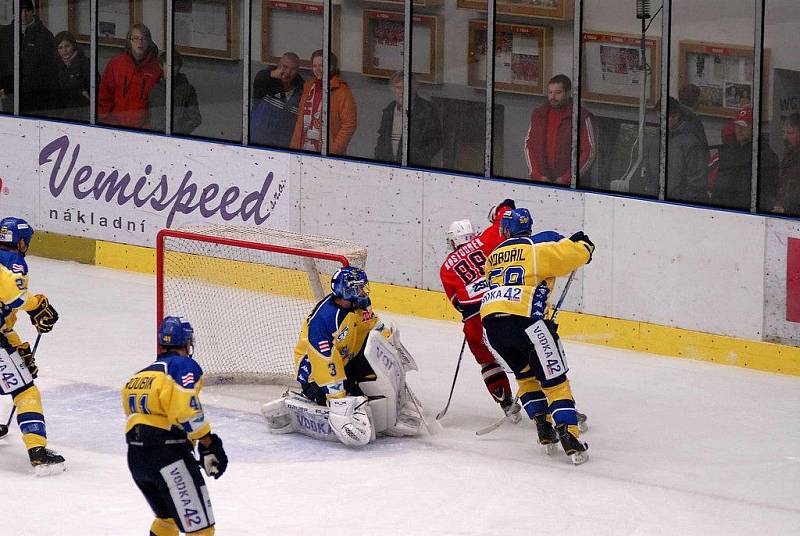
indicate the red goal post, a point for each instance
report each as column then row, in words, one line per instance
column 246, row 291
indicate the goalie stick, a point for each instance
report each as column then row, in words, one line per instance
column 499, row 422
column 455, row 377
column 4, row 427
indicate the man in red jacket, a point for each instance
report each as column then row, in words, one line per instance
column 548, row 145
column 128, row 79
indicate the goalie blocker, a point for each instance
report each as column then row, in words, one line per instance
column 387, row 407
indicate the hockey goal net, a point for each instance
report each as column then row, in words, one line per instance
column 246, row 291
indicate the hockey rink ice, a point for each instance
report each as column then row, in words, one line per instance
column 676, row 446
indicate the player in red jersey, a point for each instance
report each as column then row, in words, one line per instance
column 464, row 283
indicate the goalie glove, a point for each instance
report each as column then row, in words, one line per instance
column 350, row 421
column 43, row 316
column 213, row 459
column 24, row 351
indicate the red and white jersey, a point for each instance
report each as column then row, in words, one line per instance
column 462, row 271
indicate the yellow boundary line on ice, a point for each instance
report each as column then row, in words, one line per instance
column 626, row 334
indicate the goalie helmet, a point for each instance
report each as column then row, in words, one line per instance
column 175, row 332
column 516, row 222
column 12, row 230
column 351, row 284
column 460, row 233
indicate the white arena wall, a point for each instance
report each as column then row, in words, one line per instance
column 697, row 269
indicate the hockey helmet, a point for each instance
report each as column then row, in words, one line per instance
column 12, row 230
column 460, row 233
column 175, row 332
column 516, row 222
column 351, row 284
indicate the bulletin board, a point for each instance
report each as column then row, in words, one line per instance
column 295, row 27
column 420, row 3
column 7, row 11
column 724, row 74
column 523, row 57
column 612, row 68
column 541, row 9
column 114, row 19
column 206, row 28
column 382, row 52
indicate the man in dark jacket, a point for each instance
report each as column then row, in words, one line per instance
column 38, row 89
column 424, row 126
column 6, row 68
column 686, row 158
column 276, row 95
column 733, row 185
column 185, row 108
column 74, row 73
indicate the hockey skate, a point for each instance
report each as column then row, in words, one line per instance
column 573, row 447
column 46, row 462
column 547, row 434
column 582, row 426
column 512, row 409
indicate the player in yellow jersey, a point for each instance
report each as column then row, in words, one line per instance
column 164, row 420
column 17, row 366
column 351, row 369
column 521, row 274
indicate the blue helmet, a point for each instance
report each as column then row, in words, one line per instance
column 350, row 283
column 12, row 230
column 517, row 222
column 175, row 332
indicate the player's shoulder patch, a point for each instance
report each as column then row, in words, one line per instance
column 14, row 261
column 185, row 371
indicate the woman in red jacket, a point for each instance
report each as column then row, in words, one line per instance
column 128, row 79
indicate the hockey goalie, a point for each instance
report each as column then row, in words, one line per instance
column 351, row 368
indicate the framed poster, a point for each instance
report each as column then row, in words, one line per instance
column 206, row 28
column 522, row 60
column 541, row 9
column 724, row 74
column 384, row 39
column 292, row 26
column 420, row 3
column 7, row 11
column 114, row 19
column 612, row 68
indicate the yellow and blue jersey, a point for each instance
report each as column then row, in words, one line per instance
column 14, row 293
column 166, row 395
column 521, row 273
column 330, row 337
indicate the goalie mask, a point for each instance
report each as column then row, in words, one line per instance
column 516, row 222
column 460, row 233
column 351, row 284
column 12, row 230
column 175, row 332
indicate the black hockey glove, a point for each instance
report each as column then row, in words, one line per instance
column 44, row 316
column 24, row 351
column 213, row 459
column 495, row 210
column 580, row 237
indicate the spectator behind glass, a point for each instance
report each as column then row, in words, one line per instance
column 276, row 97
column 6, row 68
column 74, row 72
column 128, row 79
column 548, row 145
column 424, row 126
column 686, row 157
column 185, row 110
column 38, row 86
column 689, row 97
column 342, row 113
column 733, row 184
column 788, row 199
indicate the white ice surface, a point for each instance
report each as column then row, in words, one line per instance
column 676, row 446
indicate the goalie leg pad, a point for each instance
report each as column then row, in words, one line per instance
column 349, row 419
column 279, row 419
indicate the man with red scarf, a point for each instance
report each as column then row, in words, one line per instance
column 548, row 145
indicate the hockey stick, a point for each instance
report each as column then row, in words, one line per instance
column 4, row 427
column 499, row 422
column 455, row 376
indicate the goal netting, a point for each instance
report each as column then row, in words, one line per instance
column 246, row 291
